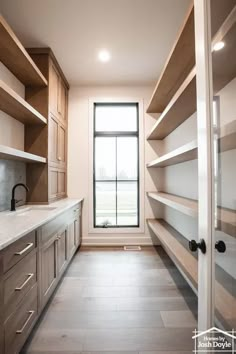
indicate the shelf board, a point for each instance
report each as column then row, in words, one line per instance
column 183, row 104
column 226, row 217
column 227, row 137
column 188, row 152
column 178, row 65
column 184, row 153
column 8, row 153
column 184, row 205
column 180, row 108
column 14, row 56
column 176, row 246
column 14, row 105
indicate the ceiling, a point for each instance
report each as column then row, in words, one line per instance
column 138, row 33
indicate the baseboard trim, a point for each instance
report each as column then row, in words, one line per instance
column 116, row 241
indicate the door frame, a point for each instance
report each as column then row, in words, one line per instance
column 205, row 162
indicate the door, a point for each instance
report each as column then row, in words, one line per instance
column 61, row 154
column 71, row 244
column 78, row 227
column 61, row 251
column 53, row 140
column 215, row 36
column 54, row 91
column 223, row 125
column 49, row 269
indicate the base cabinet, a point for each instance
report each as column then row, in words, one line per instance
column 30, row 270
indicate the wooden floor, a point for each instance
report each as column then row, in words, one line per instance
column 113, row 301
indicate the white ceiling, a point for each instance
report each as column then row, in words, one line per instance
column 138, row 33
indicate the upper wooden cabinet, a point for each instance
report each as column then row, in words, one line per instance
column 48, row 183
column 57, row 94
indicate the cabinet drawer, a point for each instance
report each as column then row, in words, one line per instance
column 18, row 250
column 18, row 281
column 51, row 228
column 18, row 326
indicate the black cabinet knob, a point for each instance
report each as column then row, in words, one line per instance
column 220, row 246
column 194, row 245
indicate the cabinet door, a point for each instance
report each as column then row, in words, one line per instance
column 53, row 136
column 61, row 155
column 61, row 252
column 71, row 242
column 48, row 269
column 53, row 183
column 78, row 228
column 61, row 183
column 54, row 82
column 62, row 102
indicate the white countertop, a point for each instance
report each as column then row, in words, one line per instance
column 15, row 224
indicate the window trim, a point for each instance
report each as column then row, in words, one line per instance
column 116, row 230
column 116, row 134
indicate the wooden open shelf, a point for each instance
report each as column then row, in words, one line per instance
column 226, row 217
column 8, row 153
column 180, row 108
column 179, row 63
column 184, row 153
column 176, row 246
column 14, row 56
column 14, row 105
column 184, row 205
column 183, row 104
column 187, row 152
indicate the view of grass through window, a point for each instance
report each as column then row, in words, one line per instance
column 116, row 165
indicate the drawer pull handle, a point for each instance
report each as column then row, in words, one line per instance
column 29, row 245
column 59, row 158
column 19, row 331
column 29, row 276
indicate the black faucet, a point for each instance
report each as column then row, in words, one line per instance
column 13, row 200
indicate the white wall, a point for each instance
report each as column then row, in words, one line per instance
column 12, row 131
column 78, row 158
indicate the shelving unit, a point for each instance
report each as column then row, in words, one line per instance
column 9, row 153
column 188, row 152
column 179, row 63
column 14, row 105
column 14, row 56
column 183, row 104
column 184, row 153
column 181, row 107
column 176, row 246
column 184, row 205
column 226, row 217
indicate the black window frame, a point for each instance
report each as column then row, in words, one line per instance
column 116, row 134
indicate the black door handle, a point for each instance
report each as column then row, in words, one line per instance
column 194, row 245
column 220, row 246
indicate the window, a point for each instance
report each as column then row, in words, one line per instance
column 116, row 165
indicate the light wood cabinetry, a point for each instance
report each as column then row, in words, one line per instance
column 43, row 113
column 55, row 101
column 30, row 270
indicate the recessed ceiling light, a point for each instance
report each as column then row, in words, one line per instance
column 104, row 56
column 218, row 46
